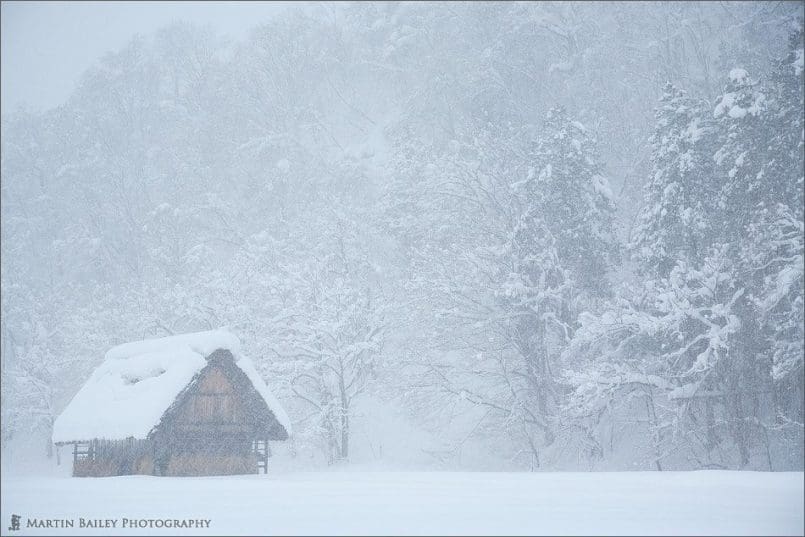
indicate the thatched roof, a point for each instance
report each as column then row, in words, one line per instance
column 128, row 394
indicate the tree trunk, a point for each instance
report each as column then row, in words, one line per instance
column 344, row 434
column 344, row 415
column 655, row 438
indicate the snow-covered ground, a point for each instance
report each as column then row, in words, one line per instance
column 624, row 503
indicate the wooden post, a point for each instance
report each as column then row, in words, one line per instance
column 267, row 454
column 262, row 451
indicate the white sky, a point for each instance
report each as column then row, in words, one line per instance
column 47, row 45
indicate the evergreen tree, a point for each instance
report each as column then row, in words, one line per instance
column 674, row 223
column 567, row 186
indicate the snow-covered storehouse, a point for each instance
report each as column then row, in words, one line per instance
column 182, row 405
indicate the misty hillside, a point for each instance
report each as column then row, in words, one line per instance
column 475, row 236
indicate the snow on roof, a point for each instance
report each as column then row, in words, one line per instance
column 129, row 392
column 259, row 384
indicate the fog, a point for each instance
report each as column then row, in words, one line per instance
column 47, row 45
column 450, row 236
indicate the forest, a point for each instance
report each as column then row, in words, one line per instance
column 483, row 236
